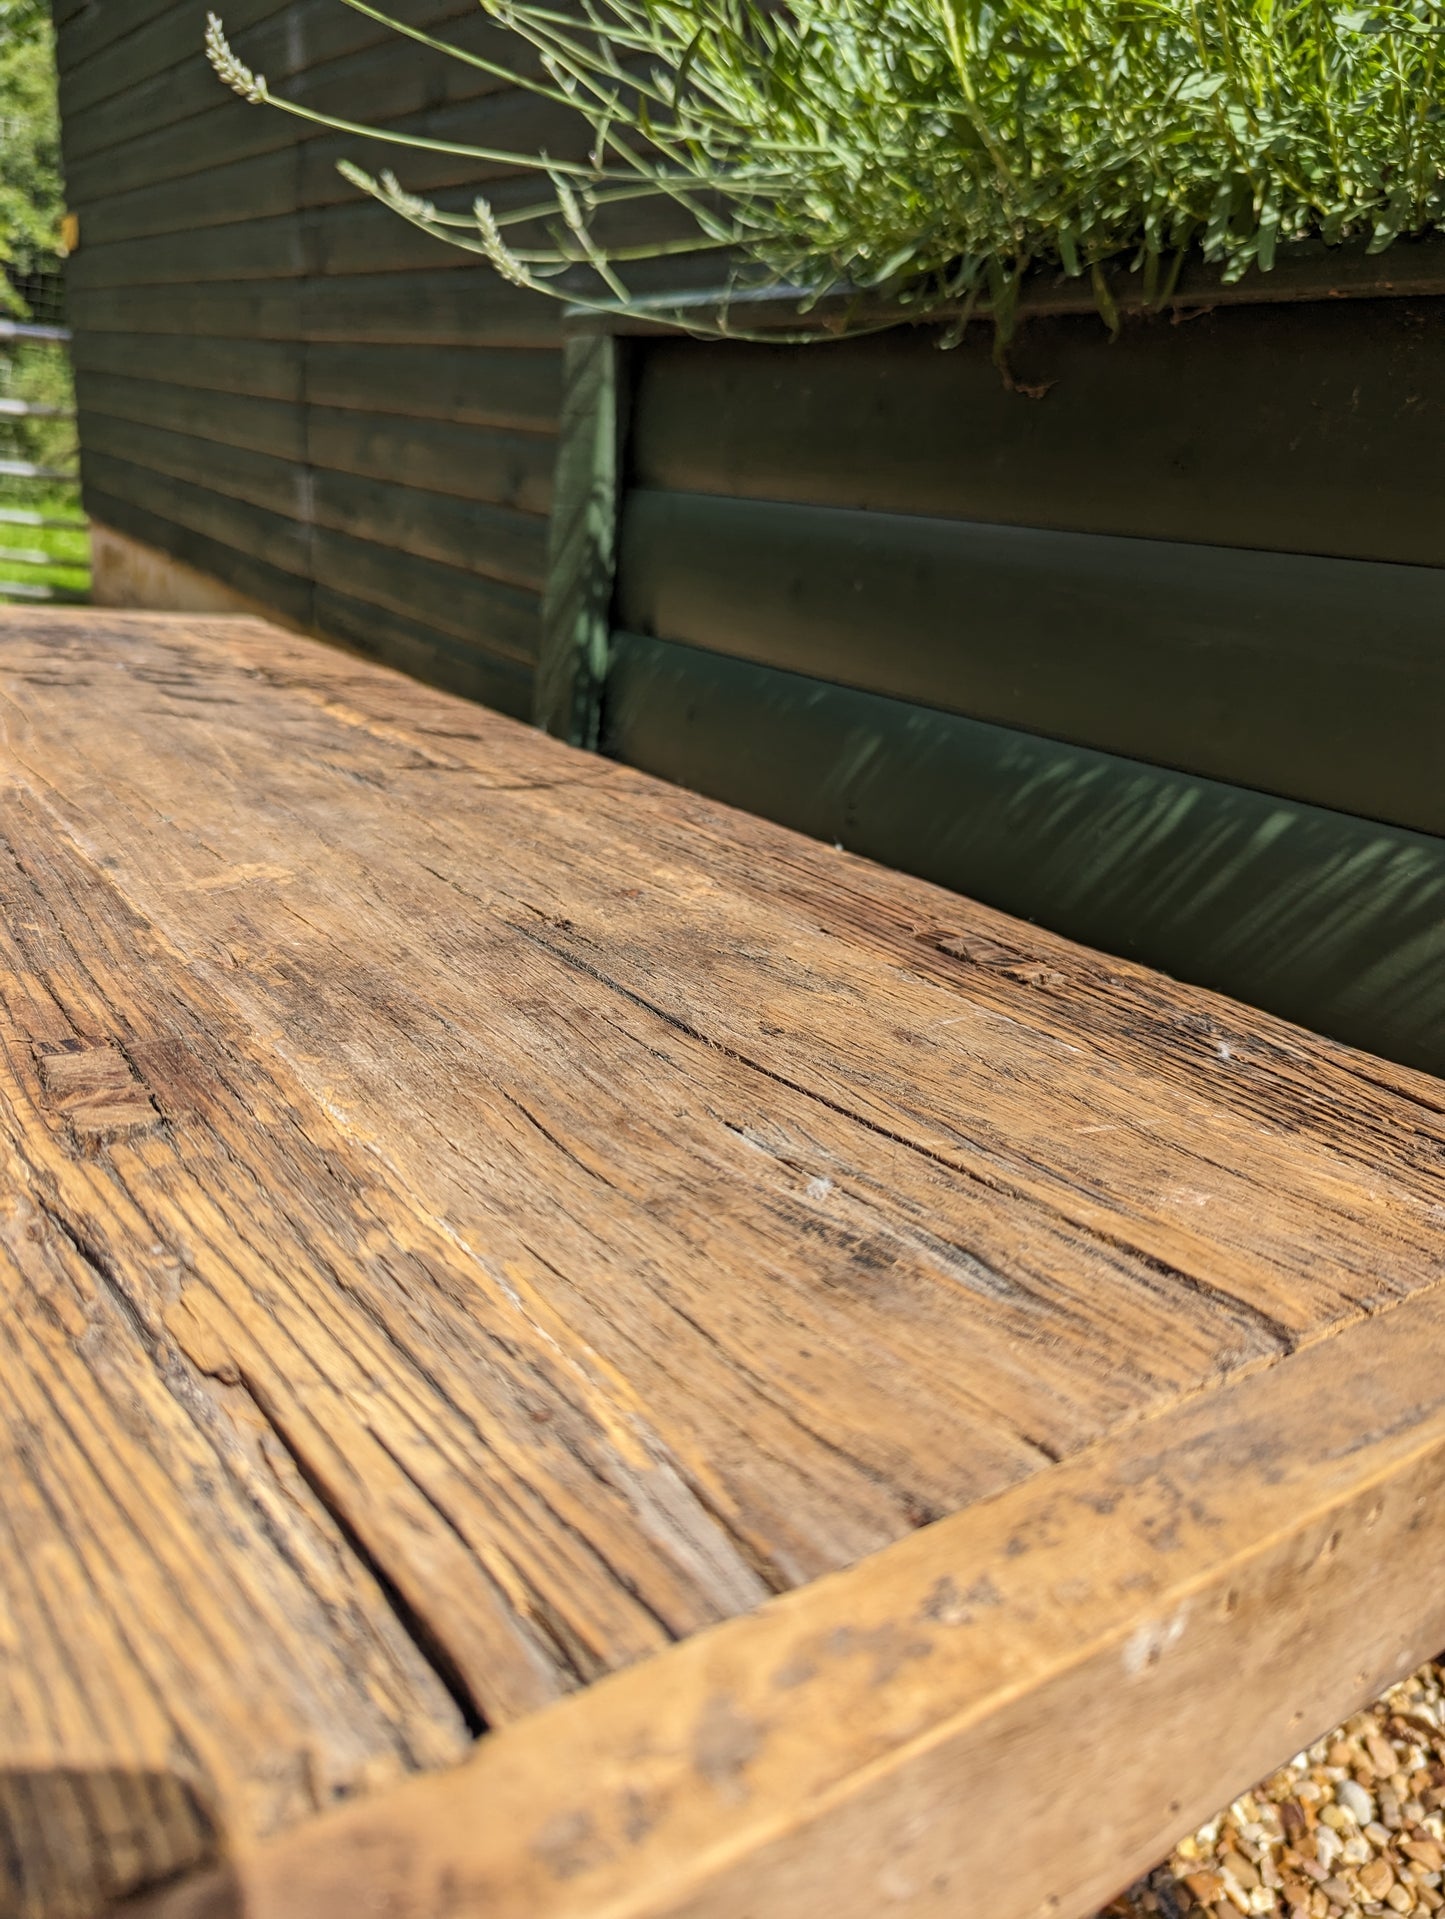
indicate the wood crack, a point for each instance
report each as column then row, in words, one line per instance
column 419, row 1630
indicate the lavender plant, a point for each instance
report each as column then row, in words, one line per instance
column 933, row 153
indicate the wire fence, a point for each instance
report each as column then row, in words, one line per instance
column 44, row 543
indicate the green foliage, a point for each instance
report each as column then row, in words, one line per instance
column 66, row 573
column 31, row 195
column 934, row 152
column 37, row 372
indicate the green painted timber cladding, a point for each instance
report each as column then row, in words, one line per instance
column 1317, row 678
column 278, row 382
column 1335, row 922
column 1152, row 653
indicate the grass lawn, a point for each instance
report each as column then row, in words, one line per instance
column 65, row 573
column 39, row 562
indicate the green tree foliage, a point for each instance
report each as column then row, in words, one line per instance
column 934, row 152
column 31, row 194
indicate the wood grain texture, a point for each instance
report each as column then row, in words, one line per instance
column 1097, row 1659
column 599, row 1211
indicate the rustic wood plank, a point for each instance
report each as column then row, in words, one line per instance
column 1097, row 1660
column 603, row 1207
column 326, row 1366
column 186, row 1628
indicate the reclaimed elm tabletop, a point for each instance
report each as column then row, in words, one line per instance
column 565, row 1350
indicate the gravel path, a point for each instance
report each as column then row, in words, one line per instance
column 1354, row 1826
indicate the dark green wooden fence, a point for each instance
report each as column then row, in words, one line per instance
column 279, row 382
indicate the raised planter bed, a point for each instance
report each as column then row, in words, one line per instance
column 1156, row 656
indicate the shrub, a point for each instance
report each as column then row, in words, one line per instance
column 934, row 152
column 31, row 197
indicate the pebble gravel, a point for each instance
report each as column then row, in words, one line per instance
column 1353, row 1826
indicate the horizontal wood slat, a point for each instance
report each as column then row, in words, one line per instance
column 260, row 364
column 1320, row 679
column 1330, row 920
column 261, row 369
column 282, row 544
column 395, row 640
column 260, row 188
column 349, row 233
column 234, row 544
column 441, row 309
column 239, row 421
column 471, row 619
column 1312, row 429
column 279, row 485
column 265, row 249
column 489, row 540
column 430, row 309
column 225, row 128
column 493, row 464
column 507, row 387
column 516, row 388
column 501, row 621
column 263, row 451
column 311, row 51
column 268, row 311
column 111, row 48
column 129, row 145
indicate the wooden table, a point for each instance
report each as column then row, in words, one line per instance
column 565, row 1351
